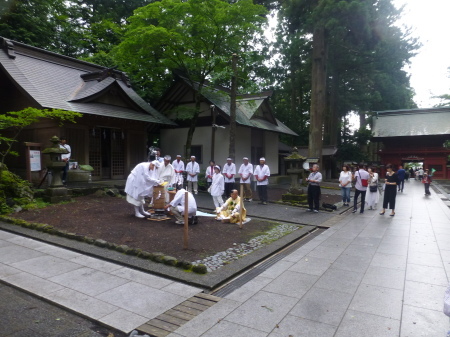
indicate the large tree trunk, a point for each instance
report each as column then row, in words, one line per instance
column 333, row 121
column 318, row 93
column 232, row 145
column 193, row 124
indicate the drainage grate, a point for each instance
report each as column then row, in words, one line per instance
column 266, row 264
column 172, row 319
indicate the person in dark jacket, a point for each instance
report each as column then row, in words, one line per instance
column 390, row 190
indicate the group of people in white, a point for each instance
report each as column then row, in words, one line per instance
column 221, row 180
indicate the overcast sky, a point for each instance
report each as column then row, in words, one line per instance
column 430, row 23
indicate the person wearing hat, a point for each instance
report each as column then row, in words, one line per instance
column 178, row 166
column 246, row 172
column 217, row 187
column 262, row 174
column 229, row 171
column 167, row 174
column 140, row 183
column 192, row 170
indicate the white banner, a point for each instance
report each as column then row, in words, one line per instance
column 35, row 160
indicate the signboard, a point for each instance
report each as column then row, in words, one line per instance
column 35, row 160
column 312, row 160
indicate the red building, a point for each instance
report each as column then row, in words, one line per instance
column 416, row 135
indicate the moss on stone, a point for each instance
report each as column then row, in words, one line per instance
column 199, row 269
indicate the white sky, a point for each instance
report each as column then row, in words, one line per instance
column 429, row 22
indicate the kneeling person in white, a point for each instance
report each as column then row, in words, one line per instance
column 140, row 183
column 177, row 205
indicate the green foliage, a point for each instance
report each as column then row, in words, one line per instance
column 194, row 37
column 15, row 121
column 14, row 191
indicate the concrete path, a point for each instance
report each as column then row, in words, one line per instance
column 114, row 295
column 368, row 275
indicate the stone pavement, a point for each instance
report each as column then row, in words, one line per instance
column 368, row 275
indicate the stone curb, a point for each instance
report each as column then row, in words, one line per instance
column 207, row 281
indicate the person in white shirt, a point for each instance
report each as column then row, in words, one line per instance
column 373, row 195
column 192, row 170
column 167, row 174
column 65, row 157
column 314, row 179
column 140, row 183
column 229, row 171
column 217, row 187
column 345, row 183
column 210, row 172
column 178, row 166
column 361, row 179
column 246, row 172
column 177, row 205
column 262, row 174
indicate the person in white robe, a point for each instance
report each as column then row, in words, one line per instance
column 140, row 183
column 246, row 173
column 262, row 174
column 177, row 205
column 192, row 170
column 229, row 171
column 178, row 166
column 372, row 198
column 167, row 174
column 217, row 187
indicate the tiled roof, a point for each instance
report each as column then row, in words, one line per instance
column 415, row 122
column 247, row 108
column 55, row 81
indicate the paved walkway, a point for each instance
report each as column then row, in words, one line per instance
column 368, row 275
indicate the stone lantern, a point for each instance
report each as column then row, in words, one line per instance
column 295, row 170
column 56, row 192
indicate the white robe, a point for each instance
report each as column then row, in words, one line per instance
column 140, row 183
column 178, row 202
column 246, row 171
column 178, row 166
column 217, row 186
column 167, row 173
column 192, row 168
column 229, row 169
column 260, row 173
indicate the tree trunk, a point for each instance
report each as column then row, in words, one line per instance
column 333, row 113
column 193, row 124
column 232, row 146
column 318, row 93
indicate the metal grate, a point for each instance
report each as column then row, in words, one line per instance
column 260, row 268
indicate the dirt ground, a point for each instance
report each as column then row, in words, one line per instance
column 111, row 219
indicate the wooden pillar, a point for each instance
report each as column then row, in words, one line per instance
column 186, row 221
